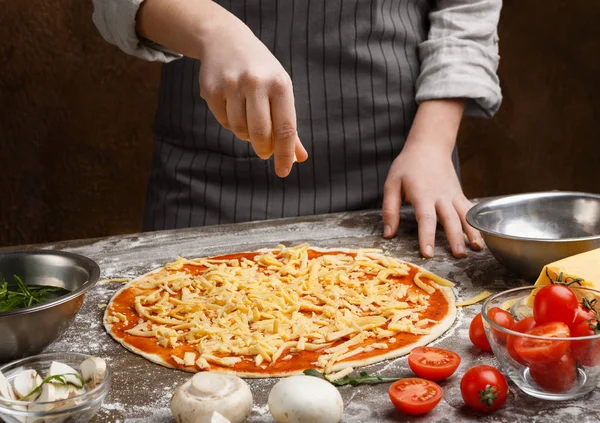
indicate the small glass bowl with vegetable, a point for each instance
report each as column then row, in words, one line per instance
column 53, row 388
column 547, row 339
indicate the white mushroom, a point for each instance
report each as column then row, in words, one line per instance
column 48, row 393
column 93, row 371
column 216, row 417
column 197, row 400
column 25, row 382
column 72, row 375
column 74, row 384
column 52, row 396
column 305, row 399
column 6, row 389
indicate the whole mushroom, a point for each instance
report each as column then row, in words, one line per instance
column 209, row 397
column 305, row 399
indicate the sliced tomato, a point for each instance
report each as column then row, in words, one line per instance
column 555, row 303
column 477, row 334
column 556, row 377
column 433, row 363
column 484, row 388
column 414, row 396
column 501, row 318
column 586, row 352
column 533, row 350
column 522, row 326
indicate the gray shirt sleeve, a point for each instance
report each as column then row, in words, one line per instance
column 115, row 19
column 460, row 57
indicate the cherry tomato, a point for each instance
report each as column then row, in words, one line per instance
column 414, row 396
column 583, row 314
column 477, row 334
column 534, row 350
column 522, row 326
column 556, row 377
column 501, row 318
column 433, row 363
column 586, row 352
column 483, row 388
column 555, row 303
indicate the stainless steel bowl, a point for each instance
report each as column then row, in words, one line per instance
column 527, row 231
column 28, row 331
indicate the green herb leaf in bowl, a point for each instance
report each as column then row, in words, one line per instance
column 23, row 295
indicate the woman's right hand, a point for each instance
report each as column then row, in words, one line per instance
column 248, row 90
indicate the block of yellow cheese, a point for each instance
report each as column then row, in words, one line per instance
column 584, row 267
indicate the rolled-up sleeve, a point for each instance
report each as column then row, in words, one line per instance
column 116, row 19
column 460, row 57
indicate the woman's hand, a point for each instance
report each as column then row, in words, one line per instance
column 245, row 86
column 250, row 93
column 423, row 174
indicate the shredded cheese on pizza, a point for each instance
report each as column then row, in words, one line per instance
column 279, row 303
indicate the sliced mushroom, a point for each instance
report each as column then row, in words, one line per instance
column 51, row 393
column 6, row 389
column 74, row 384
column 25, row 382
column 208, row 397
column 72, row 375
column 48, row 393
column 24, row 419
column 93, row 371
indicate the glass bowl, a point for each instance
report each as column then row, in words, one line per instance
column 78, row 409
column 544, row 367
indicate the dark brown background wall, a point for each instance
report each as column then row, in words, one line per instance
column 75, row 121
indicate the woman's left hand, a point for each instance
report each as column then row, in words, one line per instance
column 424, row 175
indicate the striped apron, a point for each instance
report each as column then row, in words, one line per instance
column 353, row 64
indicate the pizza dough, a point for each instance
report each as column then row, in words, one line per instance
column 272, row 313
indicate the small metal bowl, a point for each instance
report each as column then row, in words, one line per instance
column 28, row 331
column 527, row 231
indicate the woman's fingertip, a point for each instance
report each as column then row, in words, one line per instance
column 428, row 251
column 477, row 244
column 387, row 231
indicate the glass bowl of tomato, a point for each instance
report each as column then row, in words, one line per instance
column 547, row 340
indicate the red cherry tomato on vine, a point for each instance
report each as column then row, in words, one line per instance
column 522, row 326
column 555, row 303
column 556, row 377
column 583, row 314
column 586, row 352
column 501, row 318
column 433, row 363
column 483, row 388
